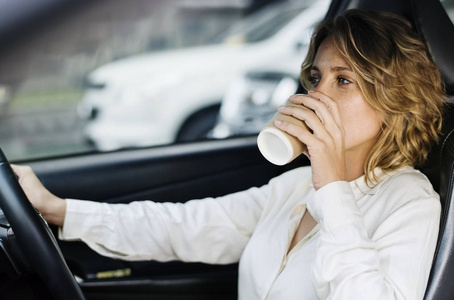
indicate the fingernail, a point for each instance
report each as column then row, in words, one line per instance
column 278, row 122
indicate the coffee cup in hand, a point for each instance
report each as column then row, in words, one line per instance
column 277, row 146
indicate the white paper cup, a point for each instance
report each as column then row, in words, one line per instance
column 277, row 146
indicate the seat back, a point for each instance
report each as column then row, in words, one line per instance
column 440, row 285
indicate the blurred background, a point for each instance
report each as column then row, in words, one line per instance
column 78, row 76
column 49, row 47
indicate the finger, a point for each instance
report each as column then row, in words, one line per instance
column 301, row 133
column 18, row 170
column 321, row 110
column 301, row 113
column 328, row 112
column 328, row 115
column 309, row 117
column 25, row 174
column 316, row 128
column 15, row 168
column 313, row 143
column 330, row 105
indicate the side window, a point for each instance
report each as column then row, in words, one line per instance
column 100, row 76
column 83, row 76
column 449, row 7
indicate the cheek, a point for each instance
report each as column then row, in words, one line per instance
column 360, row 120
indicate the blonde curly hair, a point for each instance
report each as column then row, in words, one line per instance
column 397, row 78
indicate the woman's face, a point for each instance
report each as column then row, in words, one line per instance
column 333, row 76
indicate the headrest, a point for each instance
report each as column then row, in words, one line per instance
column 432, row 23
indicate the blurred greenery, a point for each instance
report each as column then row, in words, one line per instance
column 42, row 124
column 45, row 99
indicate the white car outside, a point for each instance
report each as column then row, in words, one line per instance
column 146, row 100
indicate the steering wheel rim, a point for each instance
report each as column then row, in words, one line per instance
column 35, row 238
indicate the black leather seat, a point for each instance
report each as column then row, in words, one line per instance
column 440, row 286
column 433, row 24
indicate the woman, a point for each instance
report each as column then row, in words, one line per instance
column 360, row 223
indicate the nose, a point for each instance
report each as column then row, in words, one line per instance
column 323, row 86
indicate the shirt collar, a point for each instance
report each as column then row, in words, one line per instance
column 360, row 187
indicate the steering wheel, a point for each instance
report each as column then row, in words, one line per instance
column 34, row 239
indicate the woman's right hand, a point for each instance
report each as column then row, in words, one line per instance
column 50, row 206
column 325, row 140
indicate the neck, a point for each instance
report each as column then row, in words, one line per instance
column 354, row 165
column 354, row 172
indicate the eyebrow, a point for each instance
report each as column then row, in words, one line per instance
column 334, row 69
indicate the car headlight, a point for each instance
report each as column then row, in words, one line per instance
column 90, row 83
column 256, row 96
column 251, row 101
column 286, row 86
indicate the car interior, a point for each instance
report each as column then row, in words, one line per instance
column 177, row 173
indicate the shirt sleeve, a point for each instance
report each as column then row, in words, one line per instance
column 393, row 263
column 209, row 230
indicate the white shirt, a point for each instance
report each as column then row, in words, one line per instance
column 371, row 242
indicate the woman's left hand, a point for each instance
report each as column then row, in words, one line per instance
column 52, row 207
column 326, row 143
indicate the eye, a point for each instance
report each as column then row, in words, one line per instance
column 314, row 80
column 342, row 80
